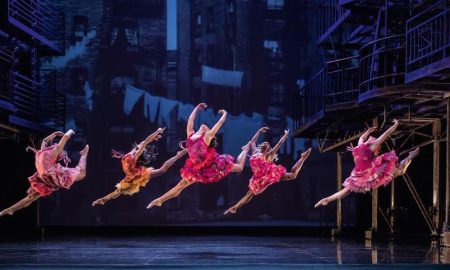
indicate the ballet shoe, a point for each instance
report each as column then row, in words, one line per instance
column 6, row 212
column 154, row 203
column 322, row 202
column 98, row 202
column 232, row 210
column 306, row 153
column 85, row 151
column 414, row 153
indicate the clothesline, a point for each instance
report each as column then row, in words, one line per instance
column 236, row 131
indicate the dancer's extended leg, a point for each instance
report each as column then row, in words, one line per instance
column 25, row 202
column 172, row 193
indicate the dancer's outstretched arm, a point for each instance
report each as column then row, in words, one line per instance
column 280, row 142
column 163, row 169
column 366, row 135
column 216, row 127
column 50, row 138
column 256, row 137
column 152, row 137
column 246, row 199
column 380, row 140
column 336, row 196
column 191, row 119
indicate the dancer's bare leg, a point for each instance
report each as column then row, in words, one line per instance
column 297, row 167
column 246, row 199
column 25, row 202
column 81, row 167
column 336, row 196
column 239, row 165
column 404, row 164
column 172, row 193
column 163, row 169
column 63, row 141
column 111, row 196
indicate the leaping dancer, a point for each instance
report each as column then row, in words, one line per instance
column 204, row 164
column 372, row 170
column 265, row 171
column 50, row 175
column 133, row 165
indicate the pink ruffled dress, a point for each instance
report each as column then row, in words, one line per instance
column 370, row 171
column 50, row 175
column 265, row 173
column 204, row 164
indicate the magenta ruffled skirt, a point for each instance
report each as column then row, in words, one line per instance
column 213, row 171
column 55, row 178
column 270, row 175
column 381, row 173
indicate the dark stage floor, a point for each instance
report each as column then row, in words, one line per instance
column 212, row 252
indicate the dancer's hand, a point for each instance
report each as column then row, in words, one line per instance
column 371, row 130
column 263, row 130
column 201, row 106
column 321, row 202
column 70, row 132
column 231, row 210
column 222, row 112
column 160, row 130
column 58, row 134
column 395, row 121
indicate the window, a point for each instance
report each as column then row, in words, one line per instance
column 275, row 4
column 211, row 20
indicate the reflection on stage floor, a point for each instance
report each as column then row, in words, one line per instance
column 210, row 251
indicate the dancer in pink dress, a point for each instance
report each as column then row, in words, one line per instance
column 136, row 174
column 50, row 174
column 265, row 171
column 204, row 164
column 371, row 170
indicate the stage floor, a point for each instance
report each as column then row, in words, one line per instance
column 212, row 252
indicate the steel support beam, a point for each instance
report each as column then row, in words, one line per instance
column 446, row 226
column 392, row 210
column 374, row 194
column 436, row 167
column 338, row 228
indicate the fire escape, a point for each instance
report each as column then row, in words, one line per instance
column 382, row 60
column 29, row 30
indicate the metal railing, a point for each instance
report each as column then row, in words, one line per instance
column 344, row 74
column 382, row 63
column 329, row 12
column 25, row 97
column 428, row 36
column 39, row 18
column 311, row 98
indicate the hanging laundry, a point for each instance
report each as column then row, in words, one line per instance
column 88, row 94
column 166, row 106
column 238, row 131
column 222, row 77
column 132, row 95
column 151, row 104
column 206, row 117
column 184, row 111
